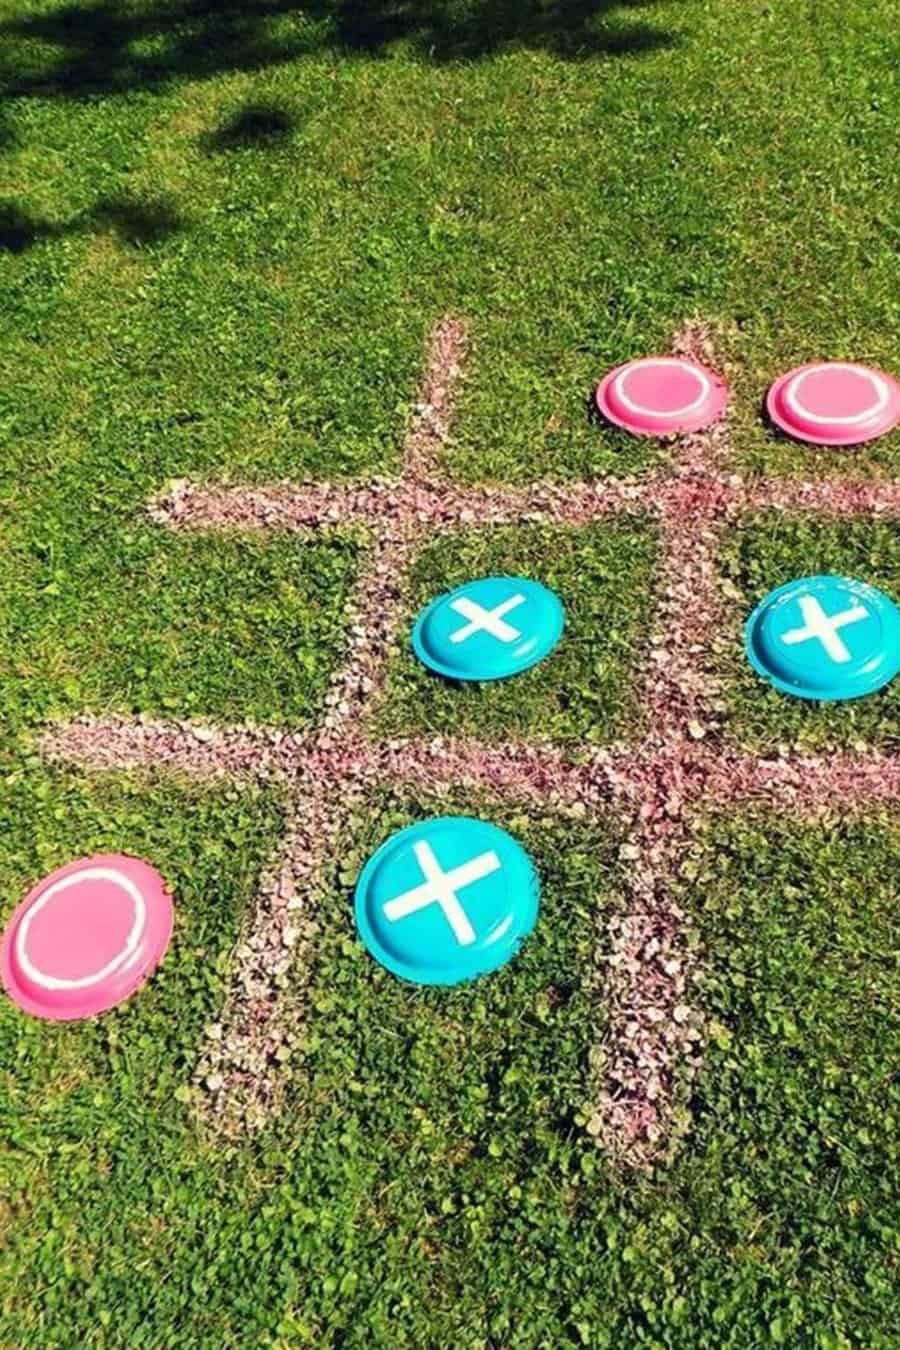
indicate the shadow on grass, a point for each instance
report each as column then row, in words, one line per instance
column 256, row 125
column 8, row 136
column 138, row 223
column 80, row 50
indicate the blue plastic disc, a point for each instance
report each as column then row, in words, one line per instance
column 446, row 900
column 825, row 638
column 488, row 629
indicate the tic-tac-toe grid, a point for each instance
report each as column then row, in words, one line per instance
column 680, row 764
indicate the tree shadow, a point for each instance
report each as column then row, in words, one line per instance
column 19, row 231
column 466, row 30
column 8, row 136
column 256, row 125
column 139, row 224
column 106, row 48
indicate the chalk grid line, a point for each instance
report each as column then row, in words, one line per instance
column 641, row 1068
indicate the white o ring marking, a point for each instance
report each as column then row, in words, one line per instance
column 882, row 394
column 699, row 376
column 89, row 874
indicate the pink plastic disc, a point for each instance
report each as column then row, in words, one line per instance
column 834, row 403
column 661, row 395
column 86, row 937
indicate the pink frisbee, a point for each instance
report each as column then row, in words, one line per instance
column 661, row 395
column 834, row 403
column 86, row 937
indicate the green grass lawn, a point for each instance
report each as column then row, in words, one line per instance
column 225, row 230
column 455, row 1202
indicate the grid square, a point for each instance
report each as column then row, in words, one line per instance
column 258, row 623
column 770, row 549
column 520, row 422
column 537, row 1011
column 798, row 921
column 210, row 841
column 586, row 692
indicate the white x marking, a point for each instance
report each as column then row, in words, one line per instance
column 486, row 620
column 440, row 888
column 819, row 626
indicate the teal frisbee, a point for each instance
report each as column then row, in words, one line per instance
column 826, row 638
column 446, row 900
column 489, row 629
